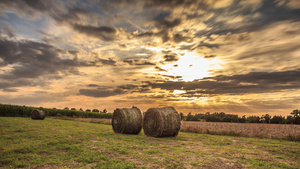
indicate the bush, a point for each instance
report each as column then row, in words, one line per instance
column 95, row 110
column 7, row 110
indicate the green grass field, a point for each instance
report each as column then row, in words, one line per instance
column 55, row 143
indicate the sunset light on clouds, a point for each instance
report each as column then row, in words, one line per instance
column 234, row 56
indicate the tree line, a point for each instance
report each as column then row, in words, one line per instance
column 293, row 118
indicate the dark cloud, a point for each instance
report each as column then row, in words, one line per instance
column 8, row 86
column 209, row 56
column 73, row 52
column 138, row 62
column 122, row 45
column 104, row 33
column 165, row 28
column 92, row 85
column 160, row 69
column 30, row 60
column 166, row 24
column 254, row 82
column 110, row 91
column 128, row 86
column 171, row 58
column 100, row 92
column 9, row 31
column 167, row 3
column 74, row 15
column 172, row 77
column 50, row 39
column 177, row 38
column 270, row 13
column 124, row 2
column 108, row 61
column 29, row 7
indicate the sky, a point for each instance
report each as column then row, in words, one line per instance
column 234, row 56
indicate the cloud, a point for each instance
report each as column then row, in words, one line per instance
column 9, row 31
column 30, row 8
column 104, row 33
column 253, row 82
column 160, row 69
column 110, row 91
column 171, row 58
column 138, row 62
column 100, row 92
column 74, row 15
column 34, row 60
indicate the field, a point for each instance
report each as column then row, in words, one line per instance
column 279, row 131
column 56, row 143
column 273, row 131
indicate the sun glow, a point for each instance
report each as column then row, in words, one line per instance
column 190, row 67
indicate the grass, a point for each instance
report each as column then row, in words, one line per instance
column 56, row 143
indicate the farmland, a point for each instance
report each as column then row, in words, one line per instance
column 279, row 131
column 259, row 130
column 56, row 143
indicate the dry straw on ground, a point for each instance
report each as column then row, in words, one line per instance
column 37, row 115
column 161, row 122
column 127, row 121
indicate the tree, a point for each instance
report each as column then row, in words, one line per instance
column 66, row 108
column 296, row 114
column 277, row 120
column 104, row 111
column 95, row 110
column 73, row 109
column 266, row 118
column 88, row 110
column 181, row 116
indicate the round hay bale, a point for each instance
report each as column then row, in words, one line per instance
column 127, row 121
column 37, row 114
column 161, row 122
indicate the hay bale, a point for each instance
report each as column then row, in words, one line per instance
column 37, row 115
column 127, row 121
column 161, row 122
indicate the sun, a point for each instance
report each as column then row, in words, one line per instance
column 191, row 66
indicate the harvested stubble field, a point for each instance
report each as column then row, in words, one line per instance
column 279, row 131
column 56, row 143
column 274, row 131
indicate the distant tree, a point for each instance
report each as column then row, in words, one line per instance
column 53, row 108
column 105, row 111
column 80, row 109
column 88, row 110
column 66, row 108
column 253, row 119
column 189, row 117
column 95, row 110
column 242, row 119
column 277, row 120
column 73, row 109
column 290, row 120
column 181, row 116
column 296, row 114
column 266, row 118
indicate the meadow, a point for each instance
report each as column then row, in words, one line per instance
column 57, row 143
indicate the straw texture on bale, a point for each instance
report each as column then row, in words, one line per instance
column 161, row 122
column 37, row 115
column 127, row 121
